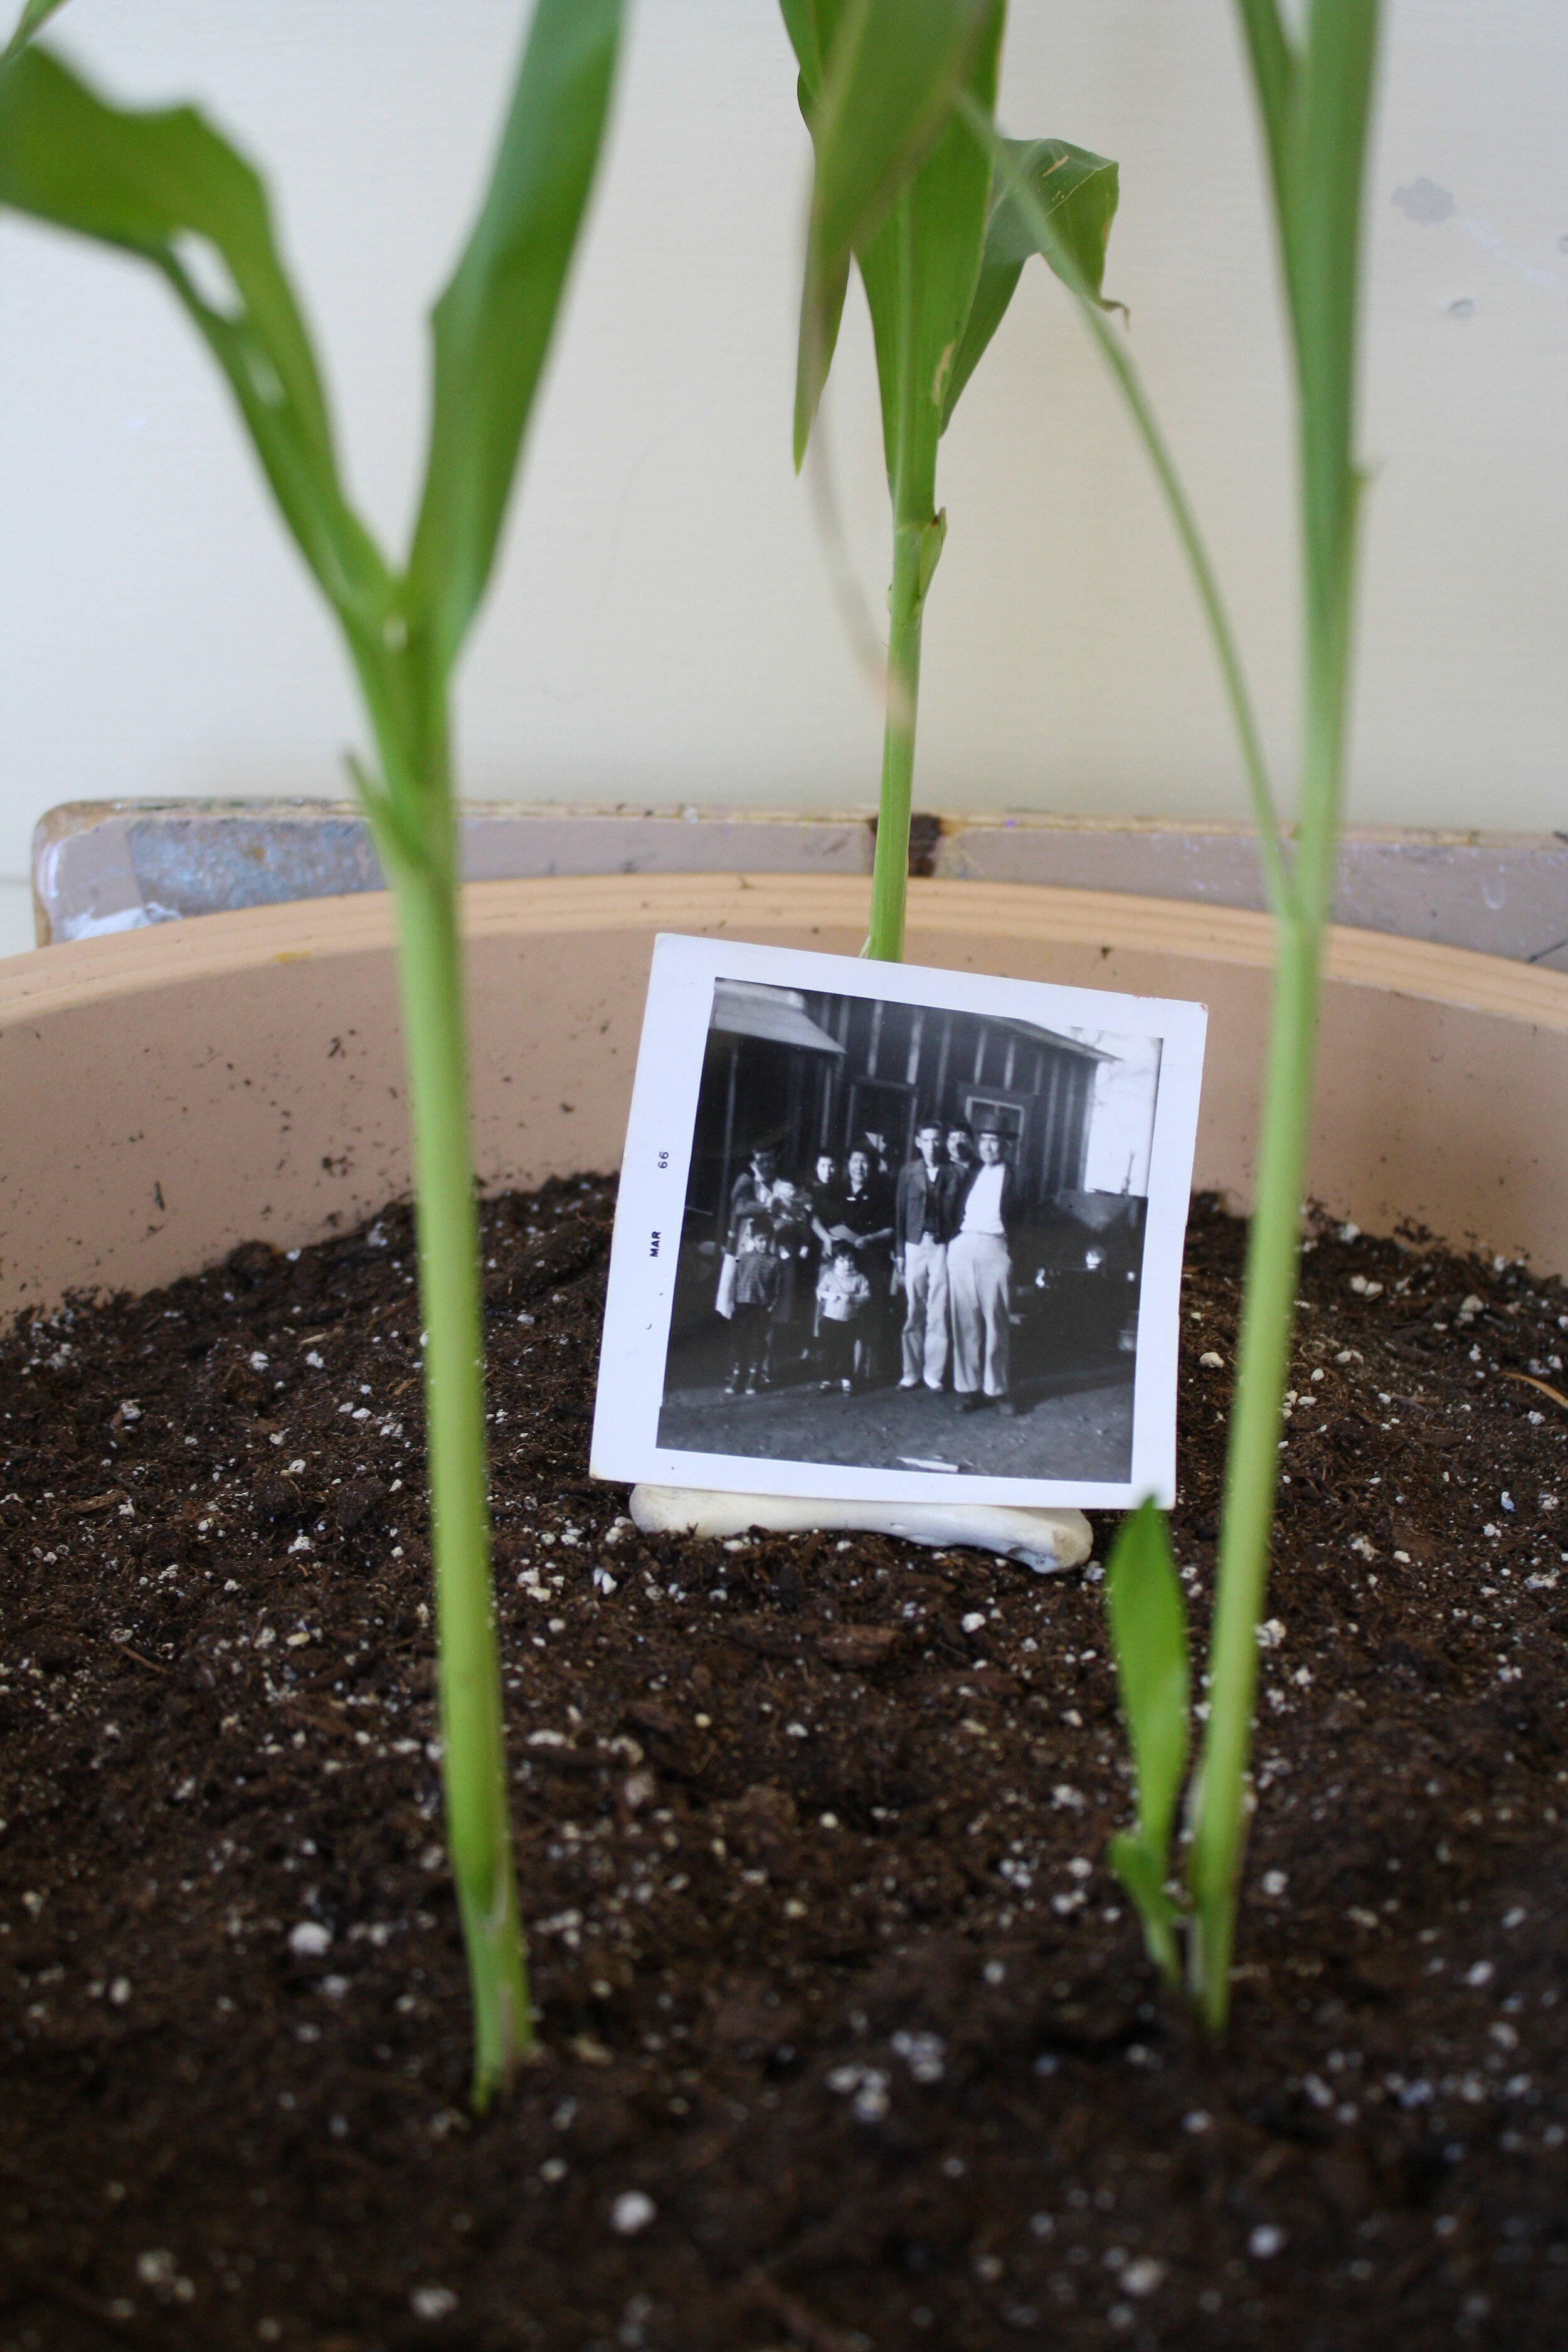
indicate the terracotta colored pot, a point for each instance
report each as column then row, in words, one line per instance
column 166, row 1093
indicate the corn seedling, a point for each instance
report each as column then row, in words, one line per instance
column 1314, row 94
column 902, row 186
column 1315, row 97
column 1149, row 1638
column 165, row 187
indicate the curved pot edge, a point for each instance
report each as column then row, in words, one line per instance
column 264, row 1094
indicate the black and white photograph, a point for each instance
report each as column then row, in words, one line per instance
column 928, row 1228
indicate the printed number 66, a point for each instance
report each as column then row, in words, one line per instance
column 664, row 1158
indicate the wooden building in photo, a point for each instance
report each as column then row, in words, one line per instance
column 805, row 1074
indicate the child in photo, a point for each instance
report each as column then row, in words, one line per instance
column 843, row 1300
column 759, row 1281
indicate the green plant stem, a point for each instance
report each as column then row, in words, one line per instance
column 1316, row 110
column 1269, row 1316
column 472, row 1757
column 918, row 535
column 1252, row 1470
column 889, row 878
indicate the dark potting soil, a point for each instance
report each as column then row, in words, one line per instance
column 848, row 2038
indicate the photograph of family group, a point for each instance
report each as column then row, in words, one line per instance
column 912, row 1239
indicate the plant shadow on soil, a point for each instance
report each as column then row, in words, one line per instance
column 811, row 1836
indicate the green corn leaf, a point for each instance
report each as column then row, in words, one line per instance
column 1077, row 193
column 877, row 78
column 165, row 186
column 803, row 23
column 33, row 19
column 1333, row 95
column 1141, row 1874
column 920, row 270
column 811, row 24
column 1275, row 72
column 1149, row 1635
column 1315, row 98
column 492, row 325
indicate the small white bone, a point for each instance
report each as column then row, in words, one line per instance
column 1044, row 1541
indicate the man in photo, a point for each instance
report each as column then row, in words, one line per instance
column 919, row 1244
column 979, row 1267
column 956, row 1170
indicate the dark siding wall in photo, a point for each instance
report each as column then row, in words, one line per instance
column 809, row 1073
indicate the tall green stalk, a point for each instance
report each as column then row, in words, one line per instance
column 152, row 183
column 889, row 871
column 1316, row 104
column 473, row 1758
column 901, row 186
column 1315, row 98
column 917, row 543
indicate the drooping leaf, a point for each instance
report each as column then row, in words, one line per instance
column 1149, row 1637
column 888, row 70
column 32, row 20
column 493, row 323
column 1078, row 192
column 165, row 186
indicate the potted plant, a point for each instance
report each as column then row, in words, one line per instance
column 166, row 187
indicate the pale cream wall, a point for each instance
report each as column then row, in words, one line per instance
column 662, row 629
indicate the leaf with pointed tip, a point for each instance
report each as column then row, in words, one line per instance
column 1331, row 115
column 1142, row 1875
column 920, row 270
column 1078, row 193
column 32, row 20
column 166, row 187
column 810, row 26
column 1149, row 1636
column 493, row 323
column 888, row 70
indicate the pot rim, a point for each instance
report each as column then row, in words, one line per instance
column 47, row 979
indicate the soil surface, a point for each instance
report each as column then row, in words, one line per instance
column 849, row 2040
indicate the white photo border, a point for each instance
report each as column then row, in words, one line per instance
column 651, row 1204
